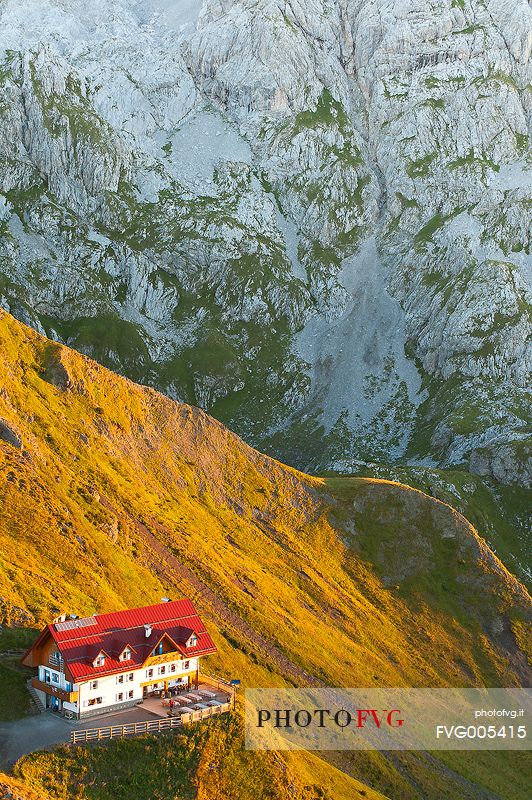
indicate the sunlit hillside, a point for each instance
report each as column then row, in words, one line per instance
column 112, row 495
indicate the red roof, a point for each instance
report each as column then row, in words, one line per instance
column 80, row 641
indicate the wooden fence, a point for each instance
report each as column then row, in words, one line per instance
column 188, row 716
column 216, row 683
column 127, row 729
column 147, row 726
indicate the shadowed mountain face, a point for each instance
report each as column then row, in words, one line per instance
column 310, row 219
column 112, row 495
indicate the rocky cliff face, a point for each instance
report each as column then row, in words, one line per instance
column 312, row 219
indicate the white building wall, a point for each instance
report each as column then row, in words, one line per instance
column 102, row 692
column 112, row 690
column 170, row 671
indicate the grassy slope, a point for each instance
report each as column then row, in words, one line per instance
column 119, row 496
column 500, row 513
column 208, row 762
column 14, row 697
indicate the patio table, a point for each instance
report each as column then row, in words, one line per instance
column 185, row 701
column 214, row 703
column 193, row 696
column 207, row 693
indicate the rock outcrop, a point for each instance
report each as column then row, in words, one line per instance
column 311, row 218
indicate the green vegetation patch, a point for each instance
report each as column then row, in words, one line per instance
column 14, row 696
column 201, row 761
column 420, row 168
column 328, row 111
column 471, row 159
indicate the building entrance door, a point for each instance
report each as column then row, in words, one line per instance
column 53, row 702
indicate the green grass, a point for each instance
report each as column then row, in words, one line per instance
column 428, row 230
column 109, row 339
column 469, row 29
column 14, row 697
column 420, row 168
column 407, row 202
column 470, row 159
column 434, row 102
column 15, row 638
column 329, row 111
column 522, row 140
column 72, row 106
column 211, row 763
column 202, row 762
column 505, row 774
column 499, row 513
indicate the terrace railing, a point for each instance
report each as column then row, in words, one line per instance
column 189, row 716
column 217, row 683
column 127, row 729
column 147, row 726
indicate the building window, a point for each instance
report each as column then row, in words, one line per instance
column 172, row 668
column 130, row 694
column 120, row 679
column 99, row 661
column 120, row 696
column 192, row 642
column 95, row 701
column 55, row 678
column 186, row 664
column 94, row 684
column 149, row 673
column 158, row 650
column 162, row 670
column 47, row 678
column 130, row 676
column 126, row 655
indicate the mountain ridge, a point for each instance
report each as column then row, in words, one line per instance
column 311, row 220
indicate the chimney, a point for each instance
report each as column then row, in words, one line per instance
column 147, row 631
column 165, row 599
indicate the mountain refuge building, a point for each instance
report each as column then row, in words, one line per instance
column 95, row 664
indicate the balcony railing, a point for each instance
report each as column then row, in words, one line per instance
column 55, row 691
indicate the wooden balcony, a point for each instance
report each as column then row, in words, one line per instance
column 55, row 691
column 164, row 658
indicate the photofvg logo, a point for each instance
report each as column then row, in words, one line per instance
column 388, row 719
column 342, row 718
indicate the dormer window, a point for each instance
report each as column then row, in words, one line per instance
column 192, row 642
column 158, row 651
column 99, row 661
column 125, row 654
